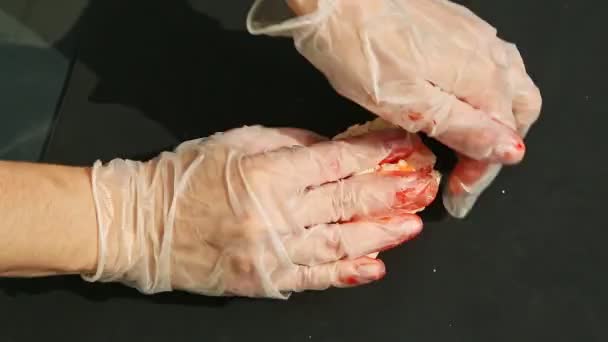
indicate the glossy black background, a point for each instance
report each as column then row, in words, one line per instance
column 529, row 264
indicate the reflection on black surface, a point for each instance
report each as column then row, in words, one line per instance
column 32, row 82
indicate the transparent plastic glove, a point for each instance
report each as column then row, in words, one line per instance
column 255, row 212
column 425, row 65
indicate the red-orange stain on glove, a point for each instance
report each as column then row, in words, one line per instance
column 415, row 162
column 419, row 196
column 352, row 280
column 425, row 187
column 397, row 154
column 414, row 116
column 384, row 219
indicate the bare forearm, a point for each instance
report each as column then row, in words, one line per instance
column 47, row 220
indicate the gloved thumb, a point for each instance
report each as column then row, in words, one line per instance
column 469, row 179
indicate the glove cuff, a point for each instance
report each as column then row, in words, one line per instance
column 133, row 247
column 101, row 230
column 275, row 18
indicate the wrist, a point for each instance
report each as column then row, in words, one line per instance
column 49, row 225
column 135, row 209
column 72, row 242
column 120, row 189
column 110, row 191
column 81, row 247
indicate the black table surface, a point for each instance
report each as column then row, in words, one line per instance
column 529, row 263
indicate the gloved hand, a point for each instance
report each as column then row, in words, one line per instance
column 425, row 65
column 255, row 212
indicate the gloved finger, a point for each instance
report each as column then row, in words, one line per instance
column 472, row 67
column 490, row 91
column 365, row 195
column 527, row 105
column 478, row 135
column 470, row 178
column 527, row 100
column 333, row 160
column 331, row 242
column 455, row 123
column 343, row 273
column 480, row 78
column 466, row 183
column 258, row 139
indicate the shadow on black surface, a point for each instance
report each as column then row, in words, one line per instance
column 181, row 69
column 102, row 292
